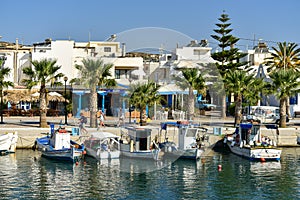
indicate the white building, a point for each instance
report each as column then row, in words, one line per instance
column 194, row 51
column 16, row 56
column 256, row 58
column 68, row 54
column 190, row 56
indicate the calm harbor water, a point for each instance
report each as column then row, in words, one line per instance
column 26, row 175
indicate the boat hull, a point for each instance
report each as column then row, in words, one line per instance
column 142, row 154
column 67, row 154
column 189, row 153
column 98, row 154
column 8, row 143
column 257, row 153
column 170, row 149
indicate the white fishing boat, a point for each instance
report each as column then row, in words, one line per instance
column 103, row 145
column 136, row 143
column 8, row 142
column 190, row 144
column 59, row 146
column 248, row 142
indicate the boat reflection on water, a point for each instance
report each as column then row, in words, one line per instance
column 8, row 162
column 132, row 165
column 109, row 162
column 265, row 168
column 56, row 167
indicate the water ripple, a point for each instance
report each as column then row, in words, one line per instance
column 26, row 175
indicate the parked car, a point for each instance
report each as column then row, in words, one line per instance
column 204, row 105
column 264, row 114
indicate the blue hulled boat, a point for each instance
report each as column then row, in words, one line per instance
column 59, row 146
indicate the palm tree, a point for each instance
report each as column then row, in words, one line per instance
column 240, row 84
column 43, row 72
column 4, row 72
column 193, row 80
column 286, row 56
column 284, row 84
column 142, row 95
column 253, row 92
column 94, row 73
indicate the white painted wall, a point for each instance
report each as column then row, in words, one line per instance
column 193, row 53
column 9, row 62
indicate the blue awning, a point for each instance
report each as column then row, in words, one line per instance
column 246, row 126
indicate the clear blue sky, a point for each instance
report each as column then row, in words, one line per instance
column 35, row 20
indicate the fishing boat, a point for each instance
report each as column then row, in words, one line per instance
column 191, row 140
column 136, row 143
column 8, row 143
column 103, row 145
column 59, row 146
column 247, row 141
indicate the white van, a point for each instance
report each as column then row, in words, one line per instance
column 263, row 114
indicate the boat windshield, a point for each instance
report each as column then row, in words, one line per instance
column 191, row 132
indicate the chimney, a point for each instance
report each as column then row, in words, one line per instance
column 123, row 49
column 17, row 44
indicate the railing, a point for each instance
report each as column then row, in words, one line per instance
column 29, row 113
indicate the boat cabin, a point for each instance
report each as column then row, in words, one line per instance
column 140, row 138
column 249, row 134
column 186, row 137
column 60, row 139
column 103, row 140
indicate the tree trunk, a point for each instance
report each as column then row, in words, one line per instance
column 43, row 119
column 191, row 104
column 288, row 112
column 223, row 110
column 93, row 108
column 141, row 117
column 282, row 108
column 238, row 110
column 43, row 107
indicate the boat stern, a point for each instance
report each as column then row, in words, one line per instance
column 265, row 154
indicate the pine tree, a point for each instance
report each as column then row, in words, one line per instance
column 229, row 56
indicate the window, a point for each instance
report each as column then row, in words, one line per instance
column 294, row 100
column 107, row 49
column 117, row 74
column 121, row 74
column 197, row 52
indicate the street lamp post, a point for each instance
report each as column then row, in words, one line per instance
column 1, row 89
column 130, row 106
column 66, row 119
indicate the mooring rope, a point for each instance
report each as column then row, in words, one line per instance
column 27, row 146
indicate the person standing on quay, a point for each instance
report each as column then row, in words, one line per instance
column 121, row 117
column 101, row 120
column 82, row 122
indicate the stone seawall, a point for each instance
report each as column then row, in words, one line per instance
column 284, row 137
column 27, row 136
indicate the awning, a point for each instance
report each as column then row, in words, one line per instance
column 173, row 89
